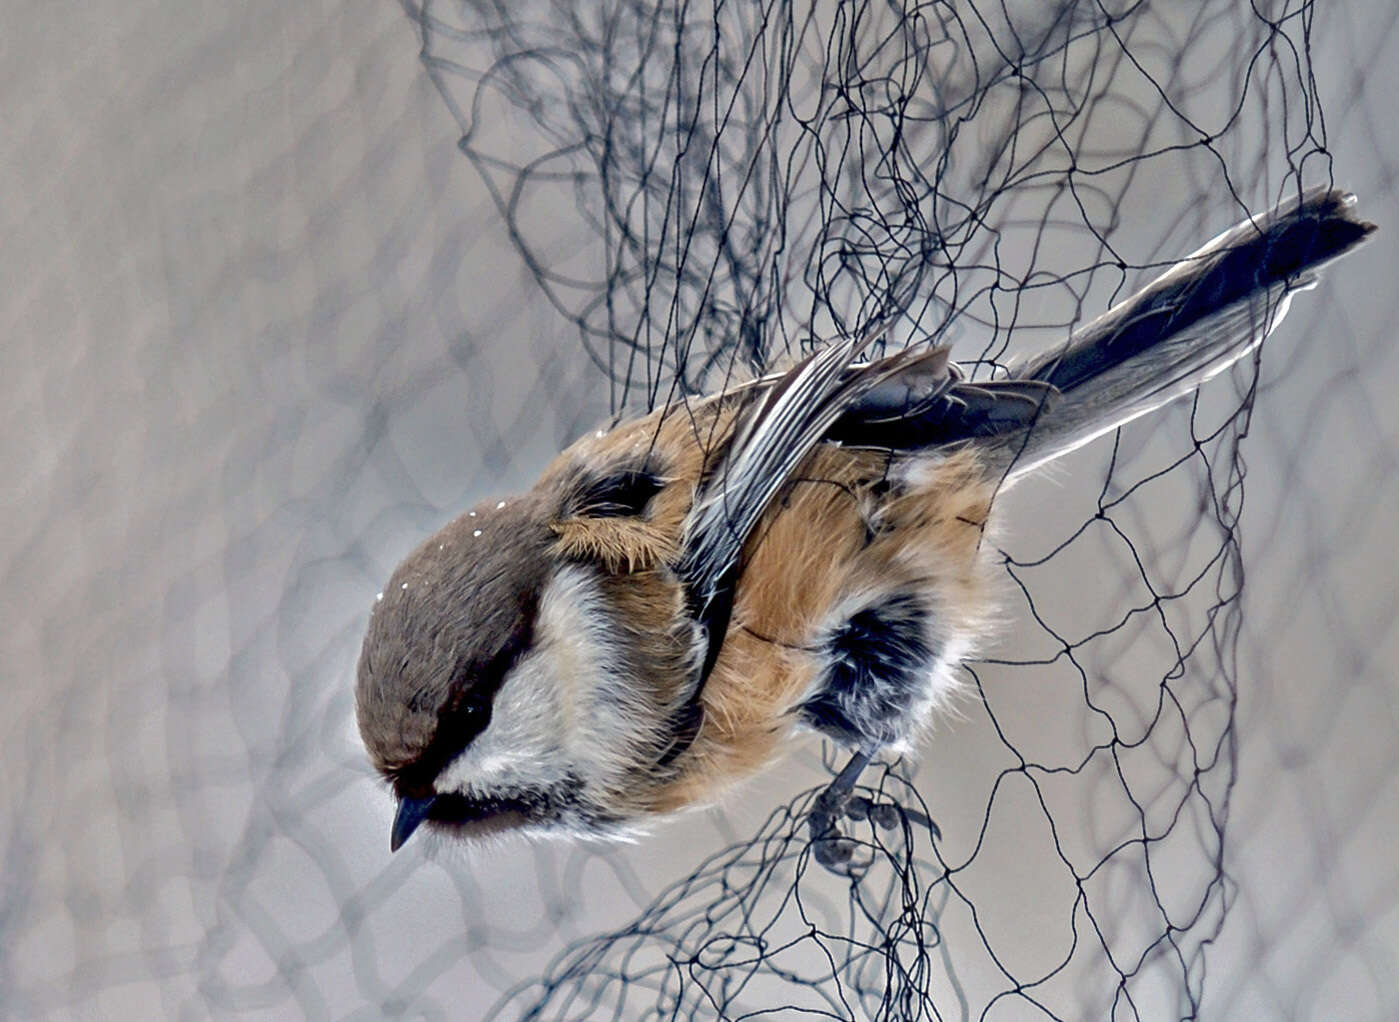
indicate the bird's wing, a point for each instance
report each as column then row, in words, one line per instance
column 910, row 400
column 786, row 416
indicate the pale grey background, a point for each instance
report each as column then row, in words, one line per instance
column 261, row 331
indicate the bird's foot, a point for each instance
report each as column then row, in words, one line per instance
column 834, row 849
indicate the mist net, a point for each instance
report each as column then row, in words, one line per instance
column 274, row 325
column 700, row 189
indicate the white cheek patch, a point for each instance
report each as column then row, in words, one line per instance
column 566, row 710
column 520, row 748
column 606, row 718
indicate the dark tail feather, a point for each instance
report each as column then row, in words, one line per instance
column 1192, row 322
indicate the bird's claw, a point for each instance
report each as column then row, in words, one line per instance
column 830, row 846
column 835, row 850
column 890, row 816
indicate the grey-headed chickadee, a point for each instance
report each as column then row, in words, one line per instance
column 678, row 597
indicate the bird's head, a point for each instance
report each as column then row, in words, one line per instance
column 517, row 669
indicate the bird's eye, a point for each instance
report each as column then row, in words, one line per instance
column 462, row 722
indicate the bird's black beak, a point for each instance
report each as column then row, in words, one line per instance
column 411, row 813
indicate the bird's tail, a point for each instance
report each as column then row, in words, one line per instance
column 1194, row 321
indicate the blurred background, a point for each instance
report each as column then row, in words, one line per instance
column 266, row 324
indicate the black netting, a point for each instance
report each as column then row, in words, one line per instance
column 305, row 330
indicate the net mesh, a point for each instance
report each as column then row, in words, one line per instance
column 323, row 331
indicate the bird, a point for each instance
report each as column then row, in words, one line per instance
column 680, row 597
